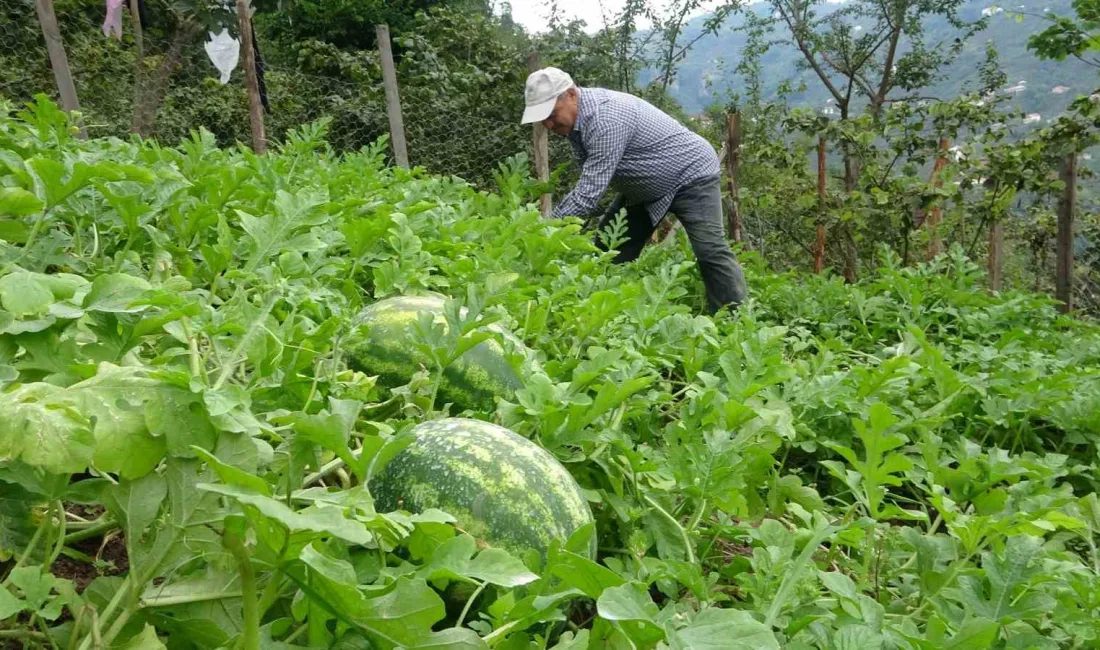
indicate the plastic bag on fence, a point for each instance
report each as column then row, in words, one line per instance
column 113, row 20
column 224, row 51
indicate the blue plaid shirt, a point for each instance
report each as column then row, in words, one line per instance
column 627, row 144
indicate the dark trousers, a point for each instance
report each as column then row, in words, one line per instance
column 698, row 206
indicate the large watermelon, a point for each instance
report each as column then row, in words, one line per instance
column 382, row 344
column 504, row 489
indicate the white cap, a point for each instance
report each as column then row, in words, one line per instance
column 543, row 88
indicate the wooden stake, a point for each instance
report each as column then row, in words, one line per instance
column 252, row 80
column 996, row 241
column 935, row 215
column 733, row 163
column 819, row 248
column 393, row 98
column 1066, row 208
column 139, row 66
column 47, row 18
column 541, row 145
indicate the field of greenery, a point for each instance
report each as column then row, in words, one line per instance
column 904, row 462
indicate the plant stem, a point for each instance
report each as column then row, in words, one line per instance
column 250, row 636
column 21, row 634
column 271, row 590
column 30, row 549
column 470, row 602
column 97, row 528
column 33, row 235
column 59, row 544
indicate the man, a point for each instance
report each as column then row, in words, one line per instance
column 654, row 162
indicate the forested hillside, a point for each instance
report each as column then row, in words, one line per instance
column 708, row 73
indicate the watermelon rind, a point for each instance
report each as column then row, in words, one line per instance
column 504, row 490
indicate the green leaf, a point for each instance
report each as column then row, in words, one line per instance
column 726, row 629
column 857, row 637
column 496, row 566
column 320, row 519
column 283, row 231
column 452, row 639
column 23, row 294
column 583, row 574
column 17, row 202
column 145, row 640
column 115, row 293
column 975, row 634
column 633, row 610
column 42, row 430
column 9, row 604
column 233, row 476
column 570, row 642
column 135, row 504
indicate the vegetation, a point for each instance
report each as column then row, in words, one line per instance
column 908, row 461
column 196, row 420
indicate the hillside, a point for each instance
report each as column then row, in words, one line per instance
column 707, row 74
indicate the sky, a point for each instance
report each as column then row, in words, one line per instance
column 533, row 14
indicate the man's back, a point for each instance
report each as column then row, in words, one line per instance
column 656, row 154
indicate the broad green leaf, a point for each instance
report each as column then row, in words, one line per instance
column 858, row 637
column 452, row 639
column 9, row 604
column 975, row 634
column 135, row 504
column 570, row 642
column 233, row 476
column 44, row 431
column 285, row 230
column 317, row 519
column 115, row 293
column 726, row 629
column 631, row 608
column 145, row 640
column 23, row 294
column 584, row 574
column 498, row 567
column 16, row 525
column 17, row 202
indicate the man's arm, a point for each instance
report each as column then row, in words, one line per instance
column 605, row 147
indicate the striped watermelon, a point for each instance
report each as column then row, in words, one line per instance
column 382, row 344
column 504, row 489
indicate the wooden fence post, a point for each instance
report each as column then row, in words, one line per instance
column 541, row 145
column 819, row 248
column 252, row 80
column 393, row 98
column 996, row 244
column 59, row 62
column 733, row 164
column 1066, row 208
column 935, row 215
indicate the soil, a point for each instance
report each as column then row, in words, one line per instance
column 112, row 557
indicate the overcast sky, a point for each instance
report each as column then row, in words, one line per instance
column 533, row 14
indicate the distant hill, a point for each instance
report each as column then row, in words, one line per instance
column 1043, row 87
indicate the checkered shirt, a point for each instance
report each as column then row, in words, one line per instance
column 625, row 143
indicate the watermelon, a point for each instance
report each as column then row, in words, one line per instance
column 382, row 345
column 503, row 489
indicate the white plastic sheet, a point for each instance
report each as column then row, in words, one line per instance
column 225, row 52
column 113, row 21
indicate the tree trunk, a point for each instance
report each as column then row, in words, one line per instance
column 996, row 242
column 819, row 248
column 733, row 161
column 145, row 116
column 934, row 215
column 1066, row 207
